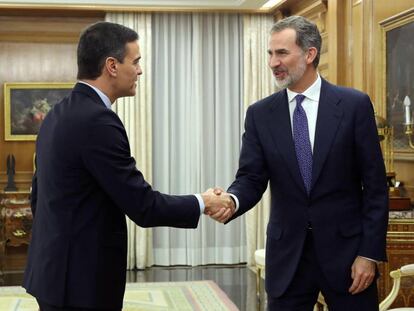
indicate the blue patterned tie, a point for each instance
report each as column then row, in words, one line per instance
column 302, row 143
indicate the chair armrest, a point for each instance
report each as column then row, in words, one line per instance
column 407, row 270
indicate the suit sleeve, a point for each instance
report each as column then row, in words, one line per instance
column 107, row 157
column 374, row 182
column 252, row 176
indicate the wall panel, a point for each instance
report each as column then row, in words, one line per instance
column 357, row 45
column 34, row 49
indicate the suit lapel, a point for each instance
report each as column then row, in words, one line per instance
column 329, row 117
column 281, row 132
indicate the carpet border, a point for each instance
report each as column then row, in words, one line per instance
column 4, row 290
column 230, row 304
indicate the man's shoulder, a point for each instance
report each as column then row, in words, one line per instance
column 82, row 110
column 268, row 101
column 342, row 91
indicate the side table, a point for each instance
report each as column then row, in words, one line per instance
column 15, row 221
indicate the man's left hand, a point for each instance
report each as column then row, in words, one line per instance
column 363, row 273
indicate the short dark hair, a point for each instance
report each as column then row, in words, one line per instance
column 307, row 33
column 99, row 41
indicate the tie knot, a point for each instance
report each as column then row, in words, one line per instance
column 299, row 99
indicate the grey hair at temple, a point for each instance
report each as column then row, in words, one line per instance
column 307, row 33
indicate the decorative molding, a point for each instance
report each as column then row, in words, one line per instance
column 399, row 221
column 149, row 3
column 403, row 156
column 315, row 8
column 245, row 6
column 45, row 37
column 397, row 20
column 356, row 2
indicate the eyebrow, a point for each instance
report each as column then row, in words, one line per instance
column 278, row 51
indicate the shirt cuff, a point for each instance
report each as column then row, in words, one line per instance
column 370, row 259
column 236, row 201
column 200, row 202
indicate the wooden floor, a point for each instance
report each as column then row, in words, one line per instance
column 238, row 282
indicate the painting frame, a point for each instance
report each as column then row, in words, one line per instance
column 26, row 104
column 398, row 24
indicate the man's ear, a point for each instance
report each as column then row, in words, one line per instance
column 111, row 66
column 312, row 52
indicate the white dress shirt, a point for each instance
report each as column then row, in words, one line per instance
column 101, row 94
column 310, row 104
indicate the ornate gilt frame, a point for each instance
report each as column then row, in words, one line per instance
column 33, row 90
column 387, row 25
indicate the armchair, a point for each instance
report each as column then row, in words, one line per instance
column 396, row 275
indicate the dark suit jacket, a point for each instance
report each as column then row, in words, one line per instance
column 85, row 183
column 348, row 202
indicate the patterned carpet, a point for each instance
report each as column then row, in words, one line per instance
column 160, row 296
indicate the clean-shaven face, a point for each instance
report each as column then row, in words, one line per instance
column 129, row 70
column 286, row 59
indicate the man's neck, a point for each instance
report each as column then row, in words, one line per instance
column 102, row 86
column 308, row 78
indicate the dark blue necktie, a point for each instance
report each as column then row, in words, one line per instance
column 302, row 142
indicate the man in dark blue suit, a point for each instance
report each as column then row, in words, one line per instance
column 317, row 145
column 86, row 181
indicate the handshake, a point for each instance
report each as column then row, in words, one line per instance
column 218, row 204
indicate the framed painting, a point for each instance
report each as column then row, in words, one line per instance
column 26, row 105
column 398, row 79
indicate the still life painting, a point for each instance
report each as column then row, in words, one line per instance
column 27, row 104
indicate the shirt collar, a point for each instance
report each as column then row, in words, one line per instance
column 101, row 94
column 311, row 92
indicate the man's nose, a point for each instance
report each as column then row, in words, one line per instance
column 274, row 61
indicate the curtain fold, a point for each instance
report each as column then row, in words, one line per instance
column 136, row 114
column 258, row 83
column 197, row 107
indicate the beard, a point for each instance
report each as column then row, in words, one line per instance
column 293, row 76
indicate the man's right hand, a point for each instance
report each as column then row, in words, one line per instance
column 218, row 204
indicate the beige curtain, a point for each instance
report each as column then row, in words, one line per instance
column 136, row 114
column 197, row 76
column 258, row 83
